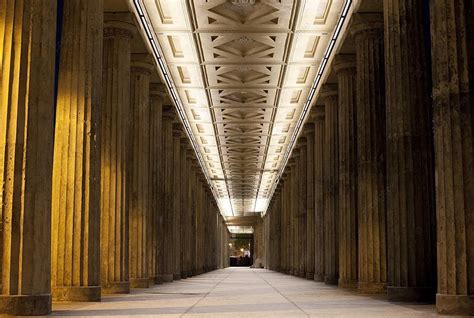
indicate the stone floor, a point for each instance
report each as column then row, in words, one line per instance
column 243, row 292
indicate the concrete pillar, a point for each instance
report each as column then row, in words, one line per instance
column 310, row 203
column 331, row 181
column 411, row 220
column 168, row 229
column 115, row 149
column 319, row 147
column 453, row 94
column 76, row 172
column 155, row 223
column 140, row 170
column 176, row 180
column 368, row 34
column 26, row 154
column 345, row 67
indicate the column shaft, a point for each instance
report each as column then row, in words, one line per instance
column 176, row 201
column 26, row 154
column 331, row 180
column 410, row 164
column 76, row 174
column 453, row 94
column 140, row 171
column 303, row 205
column 310, row 205
column 368, row 33
column 319, row 148
column 115, row 145
column 345, row 68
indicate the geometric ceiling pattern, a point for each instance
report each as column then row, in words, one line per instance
column 243, row 70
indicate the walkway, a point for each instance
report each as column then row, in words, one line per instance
column 244, row 292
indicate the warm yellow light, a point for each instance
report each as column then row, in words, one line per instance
column 241, row 249
column 230, row 244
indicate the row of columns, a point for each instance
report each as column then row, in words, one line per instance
column 387, row 203
column 100, row 188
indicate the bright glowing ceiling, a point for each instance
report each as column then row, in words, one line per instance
column 242, row 70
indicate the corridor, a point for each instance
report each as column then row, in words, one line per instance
column 243, row 292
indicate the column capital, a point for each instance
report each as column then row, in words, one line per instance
column 157, row 90
column 119, row 24
column 177, row 129
column 142, row 64
column 345, row 63
column 367, row 24
column 329, row 92
column 317, row 113
column 308, row 128
column 168, row 112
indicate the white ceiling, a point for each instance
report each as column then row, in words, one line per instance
column 243, row 70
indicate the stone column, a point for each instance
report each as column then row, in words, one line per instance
column 76, row 172
column 411, row 217
column 302, row 207
column 293, row 193
column 345, row 67
column 168, row 230
column 192, row 211
column 184, row 207
column 284, row 221
column 319, row 140
column 140, row 170
column 331, row 181
column 155, row 223
column 115, row 148
column 26, row 154
column 452, row 28
column 177, row 131
column 368, row 34
column 310, row 205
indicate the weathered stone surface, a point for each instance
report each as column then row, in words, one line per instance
column 115, row 144
column 410, row 170
column 331, row 179
column 368, row 33
column 453, row 94
column 140, row 170
column 345, row 67
column 26, row 154
column 76, row 174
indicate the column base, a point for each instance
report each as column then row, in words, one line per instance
column 309, row 276
column 116, row 288
column 349, row 284
column 189, row 273
column 151, row 281
column 158, row 279
column 77, row 293
column 176, row 276
column 184, row 274
column 301, row 274
column 139, row 283
column 411, row 294
column 318, row 277
column 372, row 288
column 330, row 280
column 25, row 305
column 167, row 278
column 462, row 305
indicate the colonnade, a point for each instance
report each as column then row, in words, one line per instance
column 101, row 190
column 387, row 161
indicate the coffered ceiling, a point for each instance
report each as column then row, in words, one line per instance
column 242, row 70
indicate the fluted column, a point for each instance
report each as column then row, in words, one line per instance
column 26, row 154
column 168, row 230
column 302, row 207
column 410, row 164
column 310, row 205
column 184, row 207
column 115, row 144
column 345, row 67
column 177, row 131
column 319, row 148
column 155, row 224
column 453, row 95
column 76, row 172
column 331, row 180
column 368, row 34
column 140, row 171
column 293, row 203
